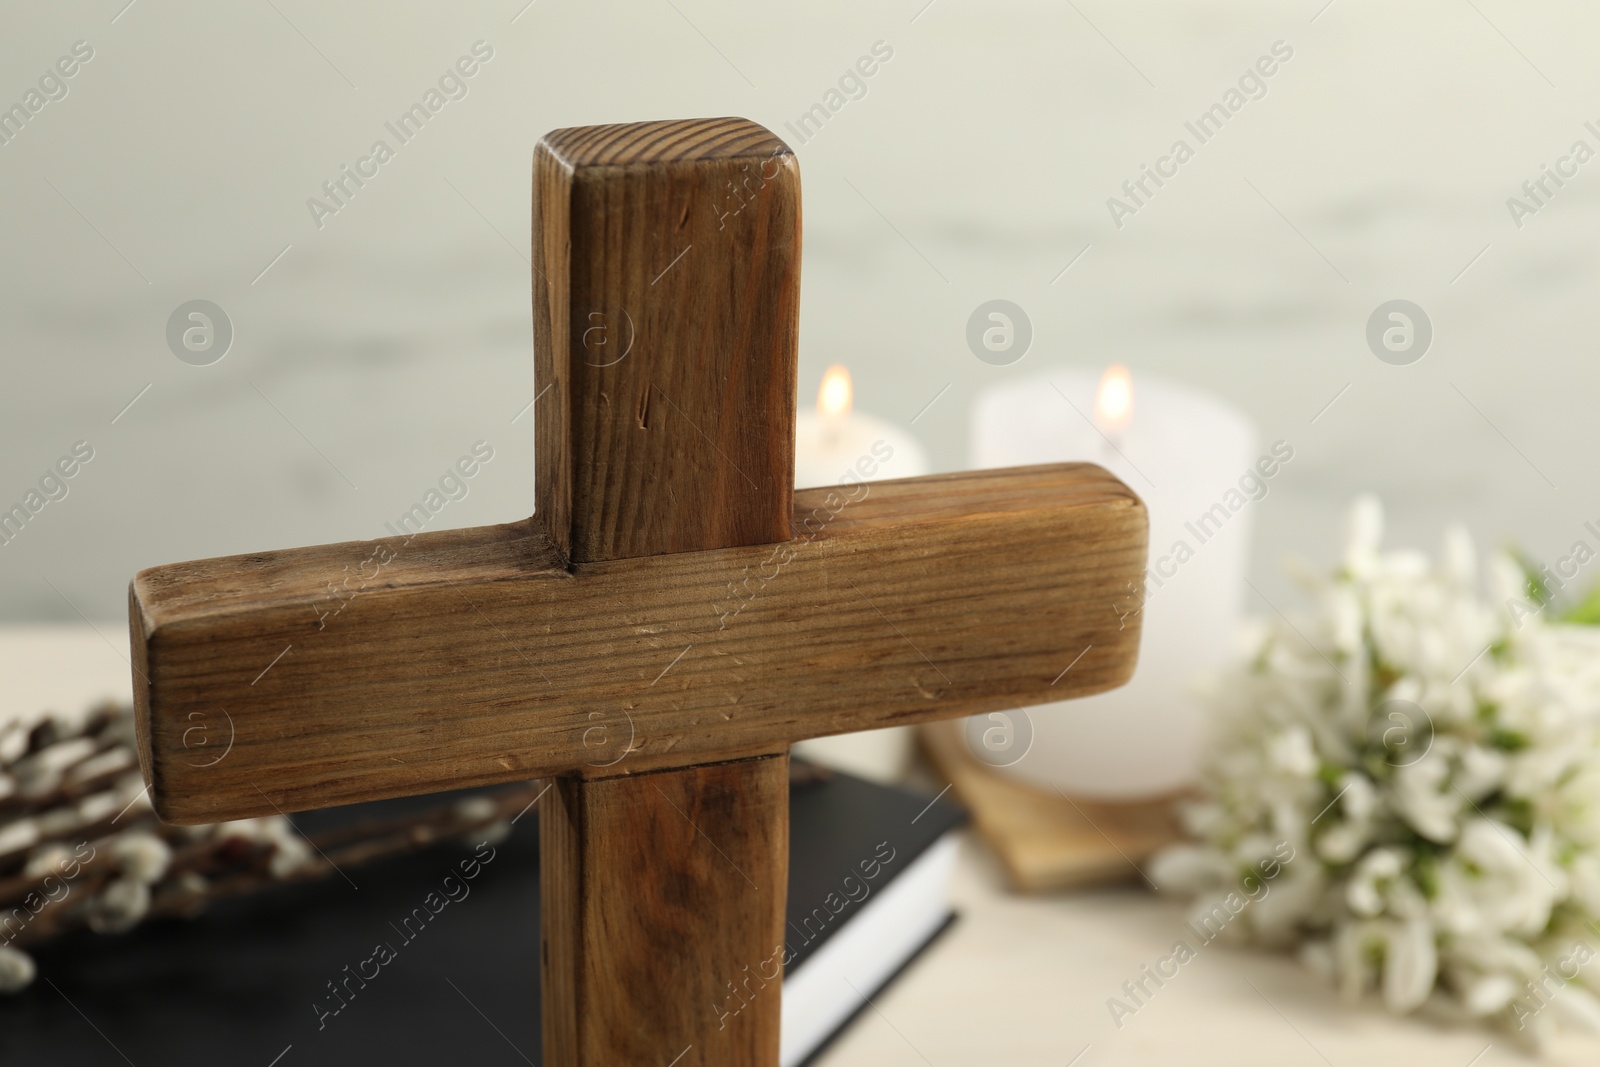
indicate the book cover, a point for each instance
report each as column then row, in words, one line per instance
column 410, row 960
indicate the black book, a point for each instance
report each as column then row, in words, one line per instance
column 870, row 869
column 266, row 980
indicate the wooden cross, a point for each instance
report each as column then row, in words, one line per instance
column 672, row 617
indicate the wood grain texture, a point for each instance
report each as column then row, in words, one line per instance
column 662, row 901
column 666, row 306
column 665, row 329
column 472, row 656
column 669, row 621
column 1044, row 839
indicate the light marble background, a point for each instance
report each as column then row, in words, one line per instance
column 397, row 335
column 377, row 349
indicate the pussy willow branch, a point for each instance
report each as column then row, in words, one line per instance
column 233, row 866
column 72, row 805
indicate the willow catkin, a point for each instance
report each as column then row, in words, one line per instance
column 16, row 970
column 81, row 847
column 141, row 856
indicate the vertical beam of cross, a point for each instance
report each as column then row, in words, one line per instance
column 665, row 317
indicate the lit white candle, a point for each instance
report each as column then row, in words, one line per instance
column 831, row 442
column 1194, row 462
column 834, row 440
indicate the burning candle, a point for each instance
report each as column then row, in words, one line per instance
column 1193, row 461
column 1113, row 404
column 829, row 443
column 835, row 440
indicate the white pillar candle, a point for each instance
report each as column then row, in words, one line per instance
column 1193, row 461
column 833, row 440
column 830, row 442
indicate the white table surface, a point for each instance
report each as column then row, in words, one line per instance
column 1019, row 981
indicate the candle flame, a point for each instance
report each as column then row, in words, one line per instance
column 1113, row 403
column 836, row 396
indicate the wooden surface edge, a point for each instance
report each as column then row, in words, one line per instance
column 551, row 251
column 1046, row 840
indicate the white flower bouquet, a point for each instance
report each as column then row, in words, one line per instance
column 1429, row 754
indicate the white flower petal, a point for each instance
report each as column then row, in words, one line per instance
column 1410, row 967
column 1489, row 994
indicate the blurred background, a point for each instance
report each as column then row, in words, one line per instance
column 372, row 350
